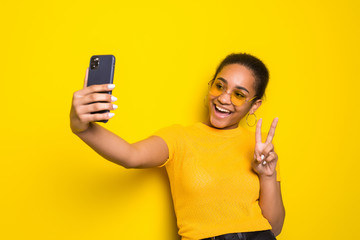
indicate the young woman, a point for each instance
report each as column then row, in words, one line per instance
column 224, row 179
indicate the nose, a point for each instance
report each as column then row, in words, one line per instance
column 225, row 98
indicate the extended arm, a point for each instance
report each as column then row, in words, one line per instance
column 150, row 152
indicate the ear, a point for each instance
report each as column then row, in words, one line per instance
column 255, row 106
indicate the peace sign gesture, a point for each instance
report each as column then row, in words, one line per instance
column 265, row 158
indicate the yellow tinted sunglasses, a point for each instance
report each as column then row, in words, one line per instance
column 218, row 87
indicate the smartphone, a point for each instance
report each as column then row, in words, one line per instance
column 101, row 71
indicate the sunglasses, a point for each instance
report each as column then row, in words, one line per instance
column 218, row 88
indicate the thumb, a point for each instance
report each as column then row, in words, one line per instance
column 86, row 78
column 257, row 156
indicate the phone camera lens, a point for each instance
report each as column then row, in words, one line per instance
column 94, row 63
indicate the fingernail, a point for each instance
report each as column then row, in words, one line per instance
column 111, row 115
column 115, row 106
column 113, row 99
column 262, row 157
column 264, row 163
column 111, row 86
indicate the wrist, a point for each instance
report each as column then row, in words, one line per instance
column 264, row 177
column 78, row 130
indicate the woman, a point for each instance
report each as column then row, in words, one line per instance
column 223, row 179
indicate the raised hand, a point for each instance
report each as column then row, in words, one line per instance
column 87, row 100
column 265, row 158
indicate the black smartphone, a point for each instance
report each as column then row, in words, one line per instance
column 101, row 71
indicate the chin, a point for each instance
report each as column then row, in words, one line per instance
column 222, row 123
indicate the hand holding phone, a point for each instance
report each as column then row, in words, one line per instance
column 94, row 102
column 101, row 71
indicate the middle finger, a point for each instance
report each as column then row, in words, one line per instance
column 97, row 97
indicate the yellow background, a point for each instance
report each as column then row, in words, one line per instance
column 53, row 186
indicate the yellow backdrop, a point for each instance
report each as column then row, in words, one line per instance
column 53, row 186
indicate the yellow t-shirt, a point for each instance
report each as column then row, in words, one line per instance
column 213, row 187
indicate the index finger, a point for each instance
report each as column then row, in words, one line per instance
column 258, row 131
column 271, row 133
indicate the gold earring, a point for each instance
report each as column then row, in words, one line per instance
column 248, row 122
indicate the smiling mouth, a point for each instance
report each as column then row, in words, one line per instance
column 221, row 111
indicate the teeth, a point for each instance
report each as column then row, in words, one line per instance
column 222, row 110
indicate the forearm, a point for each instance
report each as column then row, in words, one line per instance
column 108, row 145
column 271, row 202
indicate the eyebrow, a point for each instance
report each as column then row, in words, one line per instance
column 238, row 87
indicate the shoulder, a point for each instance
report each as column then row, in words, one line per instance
column 172, row 129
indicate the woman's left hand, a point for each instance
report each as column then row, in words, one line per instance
column 265, row 158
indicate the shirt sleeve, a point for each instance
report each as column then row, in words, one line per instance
column 170, row 136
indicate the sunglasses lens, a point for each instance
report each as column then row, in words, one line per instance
column 237, row 100
column 216, row 89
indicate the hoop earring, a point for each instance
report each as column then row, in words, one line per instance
column 248, row 122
